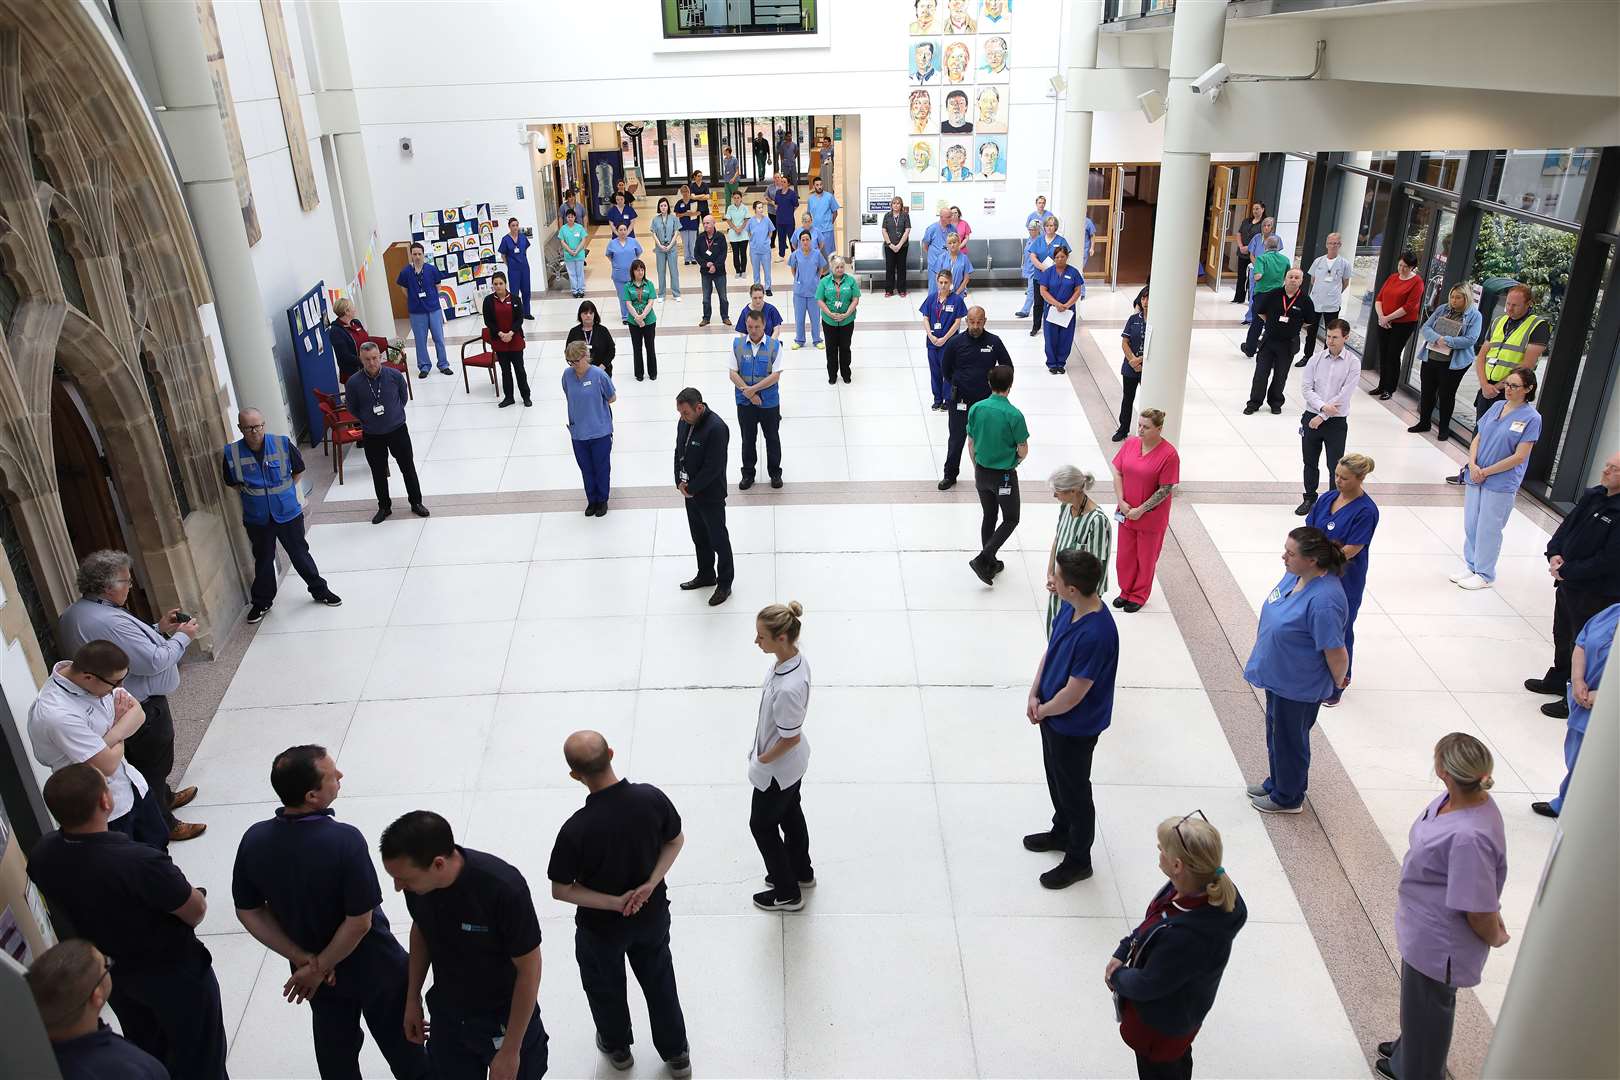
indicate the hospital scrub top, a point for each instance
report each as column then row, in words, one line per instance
column 1595, row 639
column 1061, row 285
column 1143, row 474
column 760, row 230
column 621, row 255
column 822, row 209
column 1295, row 629
column 941, row 316
column 960, row 267
column 737, row 217
column 1355, row 523
column 1499, row 436
column 1084, row 648
column 806, row 270
column 617, row 217
column 574, row 235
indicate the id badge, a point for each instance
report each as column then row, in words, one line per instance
column 1006, row 484
column 961, row 406
column 376, row 410
column 421, row 296
column 683, row 476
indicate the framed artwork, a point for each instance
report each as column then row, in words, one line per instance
column 214, row 51
column 292, row 113
column 430, row 219
column 455, row 243
column 922, row 62
column 464, row 275
column 993, row 60
column 990, row 156
column 958, row 17
column 995, row 16
column 921, row 156
column 958, row 163
column 920, row 108
column 451, row 214
column 990, row 110
column 956, row 63
column 925, row 18
column 956, row 119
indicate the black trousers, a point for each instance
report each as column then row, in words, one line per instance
column 1272, row 363
column 1572, row 607
column 1428, row 1013
column 1257, row 325
column 739, row 255
column 1437, row 389
column 512, row 362
column 290, row 534
column 988, row 483
column 837, row 339
column 706, row 520
column 1391, row 344
column 645, row 338
column 397, row 443
column 1179, row 1069
column 1321, row 319
column 1127, row 402
column 777, row 821
column 750, row 419
column 174, row 1014
column 1037, row 312
column 151, row 750
column 956, row 439
column 715, row 283
column 1067, row 759
column 1241, row 292
column 644, row 941
column 894, row 268
column 144, row 823
column 460, row 1047
column 373, row 990
column 1331, row 435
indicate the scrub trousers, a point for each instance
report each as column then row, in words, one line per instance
column 715, row 283
column 1288, row 749
column 397, row 443
column 894, row 269
column 936, row 374
column 460, row 1047
column 1272, row 363
column 144, row 822
column 998, row 496
column 512, row 363
column 838, row 358
column 806, row 308
column 782, row 233
column 290, row 534
column 956, row 438
column 1131, row 382
column 424, row 323
column 173, row 1013
column 517, row 279
column 1572, row 607
column 762, row 266
column 618, row 290
column 1067, row 760
column 645, row 338
column 688, row 243
column 1428, row 1011
column 1352, row 600
column 777, row 821
column 822, row 241
column 750, row 419
column 1437, row 389
column 643, row 940
column 151, row 750
column 373, row 990
column 1330, row 435
column 669, row 273
column 595, row 460
column 1391, row 346
column 1485, row 515
column 576, row 276
column 1029, row 298
column 1572, row 752
column 1060, row 342
column 706, row 521
column 1138, row 557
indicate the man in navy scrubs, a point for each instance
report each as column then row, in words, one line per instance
column 133, row 904
column 473, row 922
column 515, row 250
column 420, row 281
column 304, row 887
column 70, row 984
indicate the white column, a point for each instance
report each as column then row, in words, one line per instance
column 1178, row 231
column 1352, row 194
column 340, row 115
column 1071, row 172
column 196, row 137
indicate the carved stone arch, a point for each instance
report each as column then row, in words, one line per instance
column 49, row 135
column 16, row 178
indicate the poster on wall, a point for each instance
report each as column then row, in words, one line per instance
column 958, row 71
column 460, row 239
column 921, row 108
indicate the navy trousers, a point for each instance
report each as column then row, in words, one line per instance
column 644, row 941
column 1288, row 747
column 595, row 463
column 290, row 534
column 174, row 1014
column 460, row 1047
column 370, row 985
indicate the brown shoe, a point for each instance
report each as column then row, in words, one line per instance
column 183, row 796
column 186, row 830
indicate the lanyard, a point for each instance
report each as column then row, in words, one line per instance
column 1287, row 303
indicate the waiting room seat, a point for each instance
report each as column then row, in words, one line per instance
column 1006, row 257
column 341, row 430
column 483, row 359
column 397, row 365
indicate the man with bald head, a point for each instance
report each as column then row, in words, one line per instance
column 610, row 860
column 265, row 469
column 1285, row 311
column 966, row 366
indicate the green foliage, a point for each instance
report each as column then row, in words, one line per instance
column 1534, row 254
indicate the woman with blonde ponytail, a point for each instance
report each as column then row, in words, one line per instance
column 777, row 762
column 1165, row 973
column 1448, row 914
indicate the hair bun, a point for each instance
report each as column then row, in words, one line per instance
column 796, row 608
column 1487, row 782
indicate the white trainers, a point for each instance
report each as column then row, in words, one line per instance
column 1463, row 574
column 1473, row 582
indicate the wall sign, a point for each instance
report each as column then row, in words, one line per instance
column 878, row 199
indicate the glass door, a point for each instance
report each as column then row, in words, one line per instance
column 1429, row 236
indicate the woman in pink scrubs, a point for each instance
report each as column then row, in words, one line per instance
column 1146, row 469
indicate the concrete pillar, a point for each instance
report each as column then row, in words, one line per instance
column 196, row 137
column 340, row 115
column 1178, row 232
column 1071, row 173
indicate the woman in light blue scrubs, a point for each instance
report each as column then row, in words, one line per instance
column 666, row 229
column 1497, row 458
column 1348, row 517
column 622, row 250
column 1299, row 660
column 808, row 264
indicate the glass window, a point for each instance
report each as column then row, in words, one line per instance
column 66, row 268
column 1442, row 168
column 1546, row 182
column 710, row 18
column 675, row 152
column 1358, row 298
column 1428, row 237
column 1580, row 369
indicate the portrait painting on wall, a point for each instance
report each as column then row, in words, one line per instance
column 958, row 163
column 990, row 110
column 956, row 63
column 990, row 155
column 921, row 110
column 921, row 155
column 958, row 17
column 922, row 62
column 957, row 119
column 924, row 18
column 995, row 16
column 993, row 60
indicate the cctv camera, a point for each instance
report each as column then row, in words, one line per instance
column 405, row 145
column 1211, row 80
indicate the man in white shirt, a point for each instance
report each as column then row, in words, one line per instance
column 83, row 714
column 1329, row 383
column 1330, row 276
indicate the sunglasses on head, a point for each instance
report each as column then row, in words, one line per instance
column 1182, row 822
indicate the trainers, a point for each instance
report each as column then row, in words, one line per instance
column 1043, row 841
column 422, row 373
column 446, row 371
column 331, row 599
column 1455, row 481
column 1064, row 874
column 798, row 344
column 1544, row 809
column 680, row 1067
column 1386, row 1049
column 1256, row 791
column 1385, row 1069
column 821, row 346
column 1461, row 575
column 257, row 612
column 1473, row 583
column 767, row 901
column 810, row 884
column 619, row 1059
column 1266, row 805
column 981, row 571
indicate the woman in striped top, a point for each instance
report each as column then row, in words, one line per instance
column 1081, row 524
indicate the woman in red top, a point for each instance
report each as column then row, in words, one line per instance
column 503, row 318
column 1399, row 307
column 1146, row 469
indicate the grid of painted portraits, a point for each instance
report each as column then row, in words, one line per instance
column 958, row 68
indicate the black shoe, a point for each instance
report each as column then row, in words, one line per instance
column 1385, row 1069
column 590, row 509
column 1065, row 874
column 641, row 378
column 1544, row 809
column 1302, row 362
column 767, row 901
column 832, row 380
column 1035, row 332
column 256, row 613
column 619, row 1059
column 1130, row 607
column 421, row 373
column 1443, row 435
column 1276, row 410
column 1386, row 1049
column 381, row 515
column 776, row 481
column 331, row 599
column 981, row 571
column 745, row 483
column 419, row 510
column 1020, row 314
column 680, row 1067
column 1417, row 429
column 1246, row 351
column 1120, row 601
column 1044, row 841
column 696, row 583
column 1118, row 436
column 1558, row 710
column 527, row 403
column 721, row 595
column 446, row 371
column 601, row 509
column 1000, row 566
column 807, row 883
column 1250, row 410
column 947, row 483
column 1375, row 391
column 846, row 376
column 769, row 293
column 1544, row 685
column 1386, row 395
column 504, row 403
column 1455, row 481
column 1305, row 506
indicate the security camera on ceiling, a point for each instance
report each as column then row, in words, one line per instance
column 1212, row 80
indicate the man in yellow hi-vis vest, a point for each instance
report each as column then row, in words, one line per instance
column 1515, row 337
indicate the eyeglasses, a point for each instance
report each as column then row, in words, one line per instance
column 1514, row 385
column 245, row 428
column 1182, row 839
column 106, row 969
column 114, row 683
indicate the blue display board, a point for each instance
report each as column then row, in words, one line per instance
column 312, row 349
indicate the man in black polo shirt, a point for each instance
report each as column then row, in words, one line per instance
column 70, row 984
column 136, row 906
column 304, row 887
column 610, row 859
column 1286, row 310
column 967, row 361
column 701, row 438
column 473, row 920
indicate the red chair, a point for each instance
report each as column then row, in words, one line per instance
column 330, row 404
column 485, row 359
column 397, row 365
column 341, row 429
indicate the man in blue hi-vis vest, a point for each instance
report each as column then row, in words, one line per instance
column 265, row 469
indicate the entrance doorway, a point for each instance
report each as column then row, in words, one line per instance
column 1231, row 188
column 1122, row 203
column 89, row 504
column 664, row 153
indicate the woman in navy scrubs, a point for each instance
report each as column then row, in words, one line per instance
column 1060, row 288
column 1299, row 659
column 1348, row 517
column 942, row 314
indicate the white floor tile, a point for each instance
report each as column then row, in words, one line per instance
column 423, row 745
column 577, row 654
column 233, row 763
column 360, row 545
column 440, row 661
column 299, row 669
column 477, row 591
column 525, row 744
column 477, row 539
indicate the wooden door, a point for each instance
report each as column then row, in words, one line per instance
column 1102, row 196
column 1217, row 236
